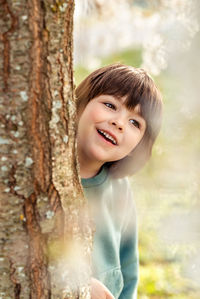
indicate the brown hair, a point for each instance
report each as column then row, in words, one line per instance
column 139, row 88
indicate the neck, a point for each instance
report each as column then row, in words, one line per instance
column 89, row 169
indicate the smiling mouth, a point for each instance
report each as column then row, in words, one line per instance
column 107, row 136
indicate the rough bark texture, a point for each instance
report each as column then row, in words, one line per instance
column 45, row 232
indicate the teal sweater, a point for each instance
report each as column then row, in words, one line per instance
column 115, row 250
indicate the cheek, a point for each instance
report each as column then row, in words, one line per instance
column 132, row 140
column 96, row 116
column 88, row 120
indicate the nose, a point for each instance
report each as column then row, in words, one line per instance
column 118, row 123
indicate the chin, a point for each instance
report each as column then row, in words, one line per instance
column 100, row 157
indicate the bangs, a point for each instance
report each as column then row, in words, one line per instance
column 119, row 82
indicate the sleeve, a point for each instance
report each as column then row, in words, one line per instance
column 129, row 256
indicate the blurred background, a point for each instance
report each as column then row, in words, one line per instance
column 163, row 37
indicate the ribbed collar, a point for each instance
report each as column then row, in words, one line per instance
column 97, row 179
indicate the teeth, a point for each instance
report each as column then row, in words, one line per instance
column 108, row 136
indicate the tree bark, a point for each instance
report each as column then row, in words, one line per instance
column 45, row 231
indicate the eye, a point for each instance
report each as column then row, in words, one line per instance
column 135, row 123
column 109, row 105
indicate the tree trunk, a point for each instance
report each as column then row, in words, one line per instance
column 45, row 232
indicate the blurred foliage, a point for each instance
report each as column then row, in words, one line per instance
column 129, row 57
column 162, row 187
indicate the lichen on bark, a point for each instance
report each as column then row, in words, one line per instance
column 46, row 234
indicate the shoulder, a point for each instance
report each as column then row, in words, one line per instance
column 122, row 190
column 119, row 182
column 122, row 196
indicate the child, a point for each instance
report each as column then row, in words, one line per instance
column 119, row 118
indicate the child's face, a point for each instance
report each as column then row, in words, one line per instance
column 107, row 130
